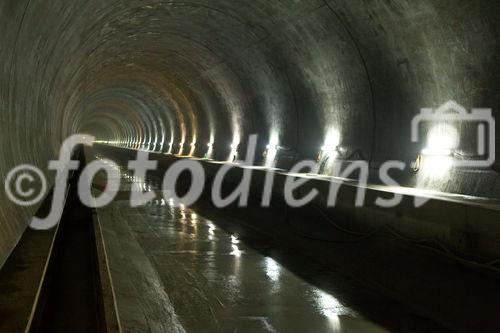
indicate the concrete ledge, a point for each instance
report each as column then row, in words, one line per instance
column 471, row 227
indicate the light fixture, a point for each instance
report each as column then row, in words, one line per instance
column 328, row 148
column 437, row 158
column 442, row 140
column 273, row 147
column 339, row 149
column 437, row 152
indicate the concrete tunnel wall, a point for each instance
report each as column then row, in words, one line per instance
column 302, row 74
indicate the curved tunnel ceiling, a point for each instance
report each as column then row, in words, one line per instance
column 300, row 73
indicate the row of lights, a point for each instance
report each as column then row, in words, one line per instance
column 326, row 149
column 441, row 149
column 437, row 151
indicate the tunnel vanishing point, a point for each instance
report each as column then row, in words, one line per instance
column 344, row 84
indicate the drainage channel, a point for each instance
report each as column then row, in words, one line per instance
column 70, row 299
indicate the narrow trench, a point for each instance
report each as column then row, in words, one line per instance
column 71, row 297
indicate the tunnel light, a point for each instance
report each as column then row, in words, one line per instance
column 271, row 154
column 437, row 152
column 434, row 166
column 211, row 228
column 236, row 251
column 272, row 269
column 234, row 150
column 436, row 160
column 328, row 148
column 273, row 147
column 210, row 145
column 234, row 240
column 442, row 139
column 337, row 149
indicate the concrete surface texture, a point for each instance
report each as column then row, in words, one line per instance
column 277, row 270
column 174, row 270
column 300, row 74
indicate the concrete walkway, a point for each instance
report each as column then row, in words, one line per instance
column 173, row 270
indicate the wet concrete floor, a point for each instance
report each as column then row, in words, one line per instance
column 173, row 270
column 213, row 281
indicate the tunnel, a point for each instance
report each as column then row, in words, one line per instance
column 308, row 91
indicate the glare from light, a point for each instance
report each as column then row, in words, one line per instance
column 234, row 149
column 234, row 240
column 211, row 228
column 193, row 148
column 442, row 138
column 329, row 305
column 329, row 149
column 273, row 269
column 436, row 167
column 210, row 150
column 271, row 153
column 437, row 152
column 236, row 251
column 181, row 148
column 272, row 149
column 332, row 139
column 437, row 160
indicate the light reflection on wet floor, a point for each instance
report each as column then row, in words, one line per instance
column 215, row 282
column 160, row 254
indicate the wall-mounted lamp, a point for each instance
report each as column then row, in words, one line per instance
column 210, row 150
column 273, row 147
column 270, row 154
column 437, row 152
column 437, row 159
column 234, row 152
column 328, row 148
column 334, row 149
